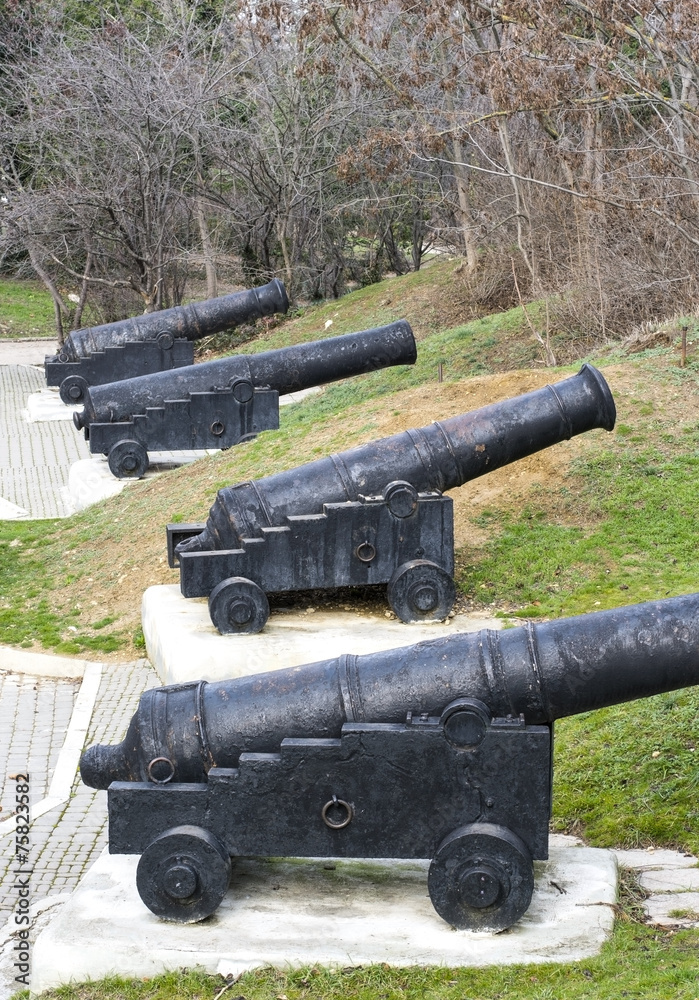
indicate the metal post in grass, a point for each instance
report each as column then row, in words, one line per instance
column 683, row 360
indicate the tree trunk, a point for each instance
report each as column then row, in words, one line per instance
column 59, row 306
column 207, row 250
column 522, row 213
column 461, row 179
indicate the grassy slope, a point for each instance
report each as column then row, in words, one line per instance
column 433, row 300
column 618, row 528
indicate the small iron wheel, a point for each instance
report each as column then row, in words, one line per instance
column 421, row 591
column 183, row 874
column 128, row 460
column 481, row 878
column 72, row 390
column 238, row 606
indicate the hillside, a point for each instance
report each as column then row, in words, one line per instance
column 603, row 520
column 96, row 565
column 449, row 322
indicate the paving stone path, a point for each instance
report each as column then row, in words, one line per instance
column 34, row 715
column 35, row 458
column 672, row 881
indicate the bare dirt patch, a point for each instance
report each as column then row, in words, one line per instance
column 509, row 488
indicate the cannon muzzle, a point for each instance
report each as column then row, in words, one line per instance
column 540, row 671
column 288, row 369
column 440, row 457
column 191, row 322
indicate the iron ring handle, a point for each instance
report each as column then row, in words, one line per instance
column 161, row 760
column 334, row 801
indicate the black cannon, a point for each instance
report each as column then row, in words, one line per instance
column 440, row 750
column 372, row 515
column 220, row 403
column 153, row 342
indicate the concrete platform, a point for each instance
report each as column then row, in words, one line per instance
column 184, row 645
column 290, row 913
column 46, row 404
column 91, row 479
column 27, row 351
column 26, row 661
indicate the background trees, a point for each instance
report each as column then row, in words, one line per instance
column 553, row 145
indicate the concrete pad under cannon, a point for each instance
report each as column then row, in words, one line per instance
column 46, row 404
column 183, row 644
column 91, row 480
column 290, row 913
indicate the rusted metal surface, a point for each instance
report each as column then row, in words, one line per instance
column 545, row 672
column 287, row 369
column 190, row 322
column 220, row 403
column 439, row 457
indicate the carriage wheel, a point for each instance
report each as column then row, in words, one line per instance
column 238, row 606
column 128, row 460
column 183, row 874
column 481, row 878
column 72, row 390
column 421, row 591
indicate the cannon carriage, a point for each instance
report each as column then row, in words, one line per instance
column 154, row 342
column 440, row 750
column 220, row 403
column 218, row 419
column 376, row 514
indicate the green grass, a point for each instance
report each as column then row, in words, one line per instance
column 414, row 296
column 628, row 776
column 639, row 542
column 26, row 310
column 433, row 300
column 464, row 351
column 26, row 579
column 621, row 529
column 638, row 963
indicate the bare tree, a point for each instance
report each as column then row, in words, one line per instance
column 555, row 145
column 107, row 174
column 558, row 122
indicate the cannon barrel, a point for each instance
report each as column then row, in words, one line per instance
column 541, row 671
column 287, row 369
column 439, row 457
column 191, row 322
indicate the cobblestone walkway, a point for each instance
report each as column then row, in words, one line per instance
column 34, row 717
column 35, row 458
column 65, row 841
column 68, row 839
